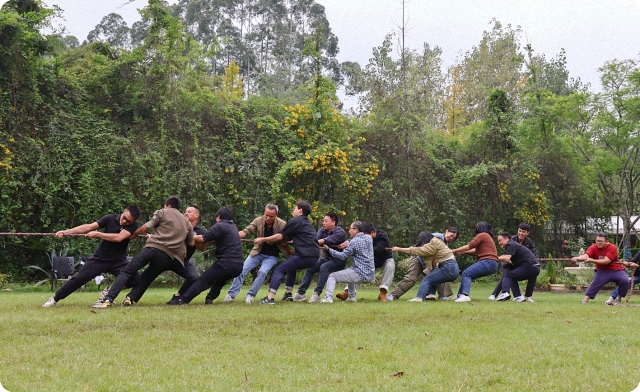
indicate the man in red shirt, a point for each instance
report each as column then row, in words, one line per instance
column 608, row 267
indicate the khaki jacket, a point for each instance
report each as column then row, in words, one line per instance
column 433, row 253
column 257, row 227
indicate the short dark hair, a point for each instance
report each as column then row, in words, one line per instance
column 358, row 225
column 333, row 216
column 423, row 238
column 603, row 235
column 484, row 227
column 134, row 211
column 453, row 230
column 225, row 213
column 304, row 206
column 195, row 206
column 505, row 234
column 368, row 228
column 524, row 226
column 174, row 202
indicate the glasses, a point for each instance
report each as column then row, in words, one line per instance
column 124, row 217
column 352, row 228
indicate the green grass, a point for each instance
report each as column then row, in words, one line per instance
column 555, row 344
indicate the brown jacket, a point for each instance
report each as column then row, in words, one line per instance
column 172, row 231
column 257, row 226
column 433, row 253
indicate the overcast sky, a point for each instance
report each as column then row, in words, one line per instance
column 591, row 31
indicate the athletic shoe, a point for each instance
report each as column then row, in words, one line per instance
column 297, row 297
column 462, row 298
column 584, row 301
column 343, row 295
column 104, row 304
column 127, row 302
column 519, row 299
column 390, row 297
column 617, row 301
column 208, row 301
column 104, row 292
column 444, row 299
column 315, row 297
column 354, row 299
column 503, row 297
column 328, row 300
column 609, row 301
column 248, row 299
column 416, row 299
column 492, row 297
column 287, row 297
column 227, row 298
column 383, row 295
column 529, row 299
column 267, row 301
column 430, row 297
column 173, row 300
column 50, row 302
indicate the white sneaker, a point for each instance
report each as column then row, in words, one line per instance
column 314, row 298
column 352, row 299
column 607, row 302
column 519, row 299
column 430, row 297
column 326, row 300
column 463, row 298
column 228, row 298
column 503, row 297
column 50, row 302
column 248, row 299
column 297, row 297
column 492, row 297
column 529, row 299
column 390, row 297
column 416, row 299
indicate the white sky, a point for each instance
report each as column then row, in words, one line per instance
column 591, row 31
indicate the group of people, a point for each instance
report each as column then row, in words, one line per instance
column 176, row 236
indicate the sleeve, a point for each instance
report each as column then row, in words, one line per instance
column 337, row 237
column 591, row 252
column 636, row 258
column 155, row 219
column 212, row 234
column 476, row 241
column 288, row 229
column 131, row 228
column 426, row 250
column 382, row 243
column 252, row 227
column 102, row 222
column 347, row 252
column 189, row 238
column 612, row 253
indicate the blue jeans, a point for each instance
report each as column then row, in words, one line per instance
column 447, row 271
column 323, row 267
column 479, row 269
column 250, row 263
column 636, row 280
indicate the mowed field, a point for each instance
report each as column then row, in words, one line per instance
column 554, row 344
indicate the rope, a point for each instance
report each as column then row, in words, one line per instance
column 38, row 234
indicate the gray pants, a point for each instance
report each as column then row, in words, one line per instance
column 388, row 270
column 348, row 276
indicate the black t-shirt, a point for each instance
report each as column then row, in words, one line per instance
column 300, row 230
column 269, row 249
column 520, row 255
column 113, row 251
column 380, row 254
column 197, row 230
column 228, row 244
column 527, row 243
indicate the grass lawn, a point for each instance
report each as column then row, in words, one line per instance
column 554, row 344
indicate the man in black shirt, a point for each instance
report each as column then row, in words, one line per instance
column 524, row 229
column 524, row 266
column 111, row 255
column 192, row 213
column 306, row 255
column 229, row 257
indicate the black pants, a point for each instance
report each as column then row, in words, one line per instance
column 215, row 277
column 90, row 270
column 192, row 277
column 505, row 268
column 157, row 262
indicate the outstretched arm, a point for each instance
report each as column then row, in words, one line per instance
column 82, row 229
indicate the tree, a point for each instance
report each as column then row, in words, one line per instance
column 113, row 30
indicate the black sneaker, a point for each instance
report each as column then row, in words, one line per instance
column 267, row 301
column 173, row 300
column 208, row 301
column 288, row 296
column 127, row 302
